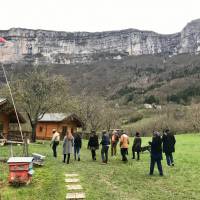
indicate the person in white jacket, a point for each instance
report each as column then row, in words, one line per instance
column 55, row 142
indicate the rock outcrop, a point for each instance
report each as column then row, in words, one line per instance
column 40, row 46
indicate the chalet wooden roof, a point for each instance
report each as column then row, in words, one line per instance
column 7, row 107
column 60, row 117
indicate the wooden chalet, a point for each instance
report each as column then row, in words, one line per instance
column 8, row 119
column 60, row 121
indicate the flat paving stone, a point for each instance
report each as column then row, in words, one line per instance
column 71, row 175
column 74, row 187
column 72, row 180
column 79, row 195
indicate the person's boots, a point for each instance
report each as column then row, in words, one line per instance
column 79, row 159
column 64, row 158
column 138, row 156
column 68, row 157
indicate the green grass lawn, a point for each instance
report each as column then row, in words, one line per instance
column 116, row 180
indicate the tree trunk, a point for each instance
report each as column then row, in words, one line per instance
column 33, row 136
column 84, row 127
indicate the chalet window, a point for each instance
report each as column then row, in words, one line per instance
column 41, row 128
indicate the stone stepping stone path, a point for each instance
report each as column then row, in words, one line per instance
column 72, row 196
column 73, row 187
column 71, row 175
column 72, row 180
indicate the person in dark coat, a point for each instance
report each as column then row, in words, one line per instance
column 105, row 142
column 156, row 153
column 93, row 144
column 137, row 145
column 169, row 142
column 77, row 145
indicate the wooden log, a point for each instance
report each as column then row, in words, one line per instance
column 13, row 142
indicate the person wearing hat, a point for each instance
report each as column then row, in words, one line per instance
column 93, row 144
column 137, row 145
column 105, row 142
column 169, row 142
column 114, row 141
column 55, row 142
column 124, row 142
column 156, row 153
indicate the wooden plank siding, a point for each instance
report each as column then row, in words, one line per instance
column 44, row 129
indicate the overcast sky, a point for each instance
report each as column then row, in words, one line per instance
column 162, row 16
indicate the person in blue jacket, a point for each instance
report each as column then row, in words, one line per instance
column 156, row 153
column 105, row 142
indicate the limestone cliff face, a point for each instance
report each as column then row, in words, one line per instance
column 190, row 38
column 42, row 46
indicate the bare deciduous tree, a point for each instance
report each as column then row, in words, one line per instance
column 110, row 117
column 95, row 112
column 88, row 109
column 38, row 93
column 194, row 117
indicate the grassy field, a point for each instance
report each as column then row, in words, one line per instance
column 116, row 180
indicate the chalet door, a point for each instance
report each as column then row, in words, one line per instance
column 64, row 131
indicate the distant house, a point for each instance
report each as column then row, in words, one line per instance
column 8, row 117
column 148, row 106
column 60, row 121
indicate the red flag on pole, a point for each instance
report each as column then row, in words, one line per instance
column 2, row 40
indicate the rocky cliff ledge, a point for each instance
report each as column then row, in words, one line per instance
column 42, row 46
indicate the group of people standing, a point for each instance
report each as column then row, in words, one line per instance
column 159, row 144
column 73, row 143
column 113, row 140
